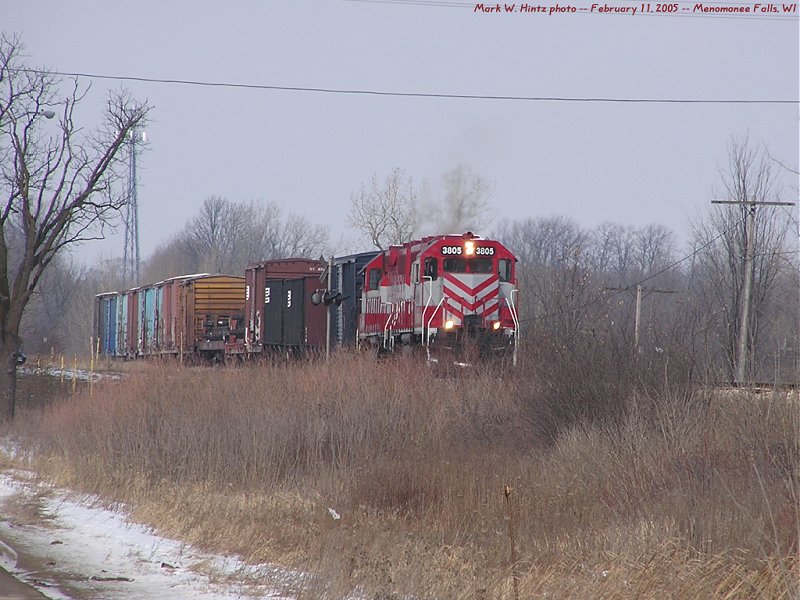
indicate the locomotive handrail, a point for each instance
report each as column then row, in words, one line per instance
column 513, row 310
column 428, row 328
column 388, row 319
column 425, row 334
column 393, row 316
column 512, row 307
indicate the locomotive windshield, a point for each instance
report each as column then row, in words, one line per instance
column 481, row 265
column 463, row 265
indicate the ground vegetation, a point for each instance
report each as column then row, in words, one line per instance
column 384, row 480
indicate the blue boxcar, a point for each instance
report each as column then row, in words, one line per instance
column 147, row 319
column 110, row 342
column 122, row 325
column 105, row 323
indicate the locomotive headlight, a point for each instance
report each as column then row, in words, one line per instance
column 469, row 248
column 448, row 324
column 496, row 325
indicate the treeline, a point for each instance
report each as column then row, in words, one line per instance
column 581, row 288
column 223, row 237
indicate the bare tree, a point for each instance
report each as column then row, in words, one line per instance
column 262, row 239
column 612, row 251
column 225, row 236
column 56, row 181
column 624, row 254
column 544, row 241
column 174, row 257
column 385, row 212
column 654, row 248
column 719, row 269
column 56, row 317
column 299, row 238
column 217, row 233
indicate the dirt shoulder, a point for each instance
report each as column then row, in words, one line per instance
column 23, row 575
column 13, row 589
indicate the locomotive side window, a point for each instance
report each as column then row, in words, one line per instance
column 504, row 269
column 374, row 279
column 431, row 268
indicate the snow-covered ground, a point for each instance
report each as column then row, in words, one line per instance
column 72, row 549
column 68, row 373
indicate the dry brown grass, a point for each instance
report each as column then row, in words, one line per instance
column 681, row 496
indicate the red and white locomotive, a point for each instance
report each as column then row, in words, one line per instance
column 454, row 295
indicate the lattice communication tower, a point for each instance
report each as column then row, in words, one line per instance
column 131, row 260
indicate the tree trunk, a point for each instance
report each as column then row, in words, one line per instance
column 8, row 379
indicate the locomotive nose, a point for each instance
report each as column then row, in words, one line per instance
column 472, row 325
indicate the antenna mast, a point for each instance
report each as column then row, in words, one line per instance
column 131, row 260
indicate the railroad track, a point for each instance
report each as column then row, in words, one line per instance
column 758, row 386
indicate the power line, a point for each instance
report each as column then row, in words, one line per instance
column 367, row 92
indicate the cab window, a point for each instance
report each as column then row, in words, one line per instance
column 504, row 269
column 431, row 268
column 374, row 279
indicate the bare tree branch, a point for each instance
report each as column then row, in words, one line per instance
column 719, row 268
column 54, row 179
column 385, row 213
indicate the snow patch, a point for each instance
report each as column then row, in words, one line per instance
column 101, row 551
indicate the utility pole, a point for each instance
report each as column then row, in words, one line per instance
column 636, row 318
column 637, row 315
column 328, row 311
column 740, row 374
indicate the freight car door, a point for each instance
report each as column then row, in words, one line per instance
column 294, row 315
column 273, row 312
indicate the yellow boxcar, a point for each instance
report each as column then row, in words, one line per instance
column 206, row 305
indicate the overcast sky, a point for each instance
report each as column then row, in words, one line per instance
column 634, row 163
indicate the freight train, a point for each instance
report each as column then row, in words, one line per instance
column 454, row 297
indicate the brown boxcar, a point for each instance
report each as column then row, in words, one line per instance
column 278, row 311
column 168, row 328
